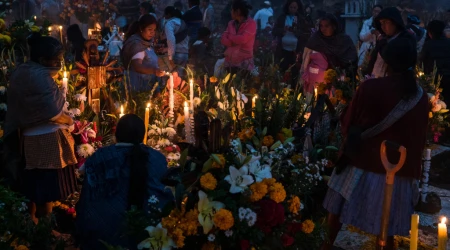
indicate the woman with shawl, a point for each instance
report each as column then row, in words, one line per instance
column 355, row 193
column 328, row 48
column 118, row 177
column 138, row 57
column 36, row 114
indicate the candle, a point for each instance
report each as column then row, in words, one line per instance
column 187, row 126
column 147, row 117
column 60, row 33
column 414, row 231
column 121, row 111
column 254, row 105
column 315, row 93
column 428, row 154
column 50, row 29
column 64, row 84
column 205, row 80
column 171, row 101
column 35, row 18
column 442, row 234
column 191, row 94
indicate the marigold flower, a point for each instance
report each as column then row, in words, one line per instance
column 208, row 182
column 259, row 190
column 213, row 79
column 296, row 158
column 269, row 181
column 308, row 226
column 208, row 246
column 277, row 193
column 178, row 237
column 268, row 141
column 21, row 247
column 249, row 132
column 222, row 162
column 329, row 76
column 294, row 204
column 223, row 219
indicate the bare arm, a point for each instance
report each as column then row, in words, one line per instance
column 140, row 67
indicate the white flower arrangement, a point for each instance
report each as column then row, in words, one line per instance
column 80, row 98
column 248, row 215
column 85, row 150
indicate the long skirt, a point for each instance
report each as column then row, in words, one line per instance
column 50, row 172
column 363, row 209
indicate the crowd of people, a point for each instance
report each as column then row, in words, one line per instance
column 127, row 174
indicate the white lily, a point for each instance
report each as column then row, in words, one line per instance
column 259, row 171
column 207, row 209
column 239, row 179
column 158, row 239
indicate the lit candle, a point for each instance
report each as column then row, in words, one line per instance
column 191, row 94
column 35, row 18
column 315, row 93
column 64, row 84
column 187, row 126
column 60, row 33
column 254, row 105
column 442, row 234
column 50, row 29
column 171, row 101
column 147, row 117
column 121, row 111
column 414, row 232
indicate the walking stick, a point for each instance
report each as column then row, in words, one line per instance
column 391, row 169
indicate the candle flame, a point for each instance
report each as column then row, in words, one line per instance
column 65, row 74
column 121, row 109
column 35, row 17
column 148, row 105
column 49, row 28
column 443, row 220
column 60, row 27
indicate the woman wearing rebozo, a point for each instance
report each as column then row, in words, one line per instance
column 138, row 56
column 36, row 110
column 356, row 188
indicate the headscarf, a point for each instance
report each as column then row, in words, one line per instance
column 339, row 49
column 131, row 47
column 392, row 14
column 33, row 97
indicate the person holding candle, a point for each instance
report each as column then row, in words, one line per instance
column 355, row 194
column 139, row 59
column 327, row 48
column 119, row 177
column 36, row 114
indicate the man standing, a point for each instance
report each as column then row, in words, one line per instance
column 208, row 15
column 146, row 8
column 421, row 33
column 262, row 16
column 193, row 19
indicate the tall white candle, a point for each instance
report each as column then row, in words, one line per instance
column 191, row 94
column 254, row 105
column 187, row 126
column 121, row 111
column 64, row 84
column 428, row 155
column 442, row 234
column 171, row 101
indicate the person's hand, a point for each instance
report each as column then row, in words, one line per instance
column 159, row 73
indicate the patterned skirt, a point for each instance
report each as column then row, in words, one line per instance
column 363, row 208
column 50, row 171
column 49, row 151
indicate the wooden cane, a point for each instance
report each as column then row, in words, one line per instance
column 391, row 169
